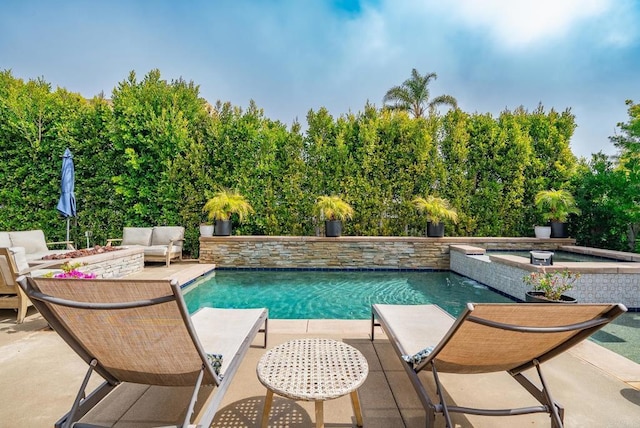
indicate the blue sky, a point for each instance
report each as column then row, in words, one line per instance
column 294, row 55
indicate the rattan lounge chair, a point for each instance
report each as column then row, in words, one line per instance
column 487, row 338
column 155, row 358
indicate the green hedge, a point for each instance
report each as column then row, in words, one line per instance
column 155, row 151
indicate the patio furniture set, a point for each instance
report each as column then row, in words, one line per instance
column 26, row 253
column 138, row 335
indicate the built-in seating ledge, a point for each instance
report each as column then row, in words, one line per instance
column 599, row 252
column 468, row 250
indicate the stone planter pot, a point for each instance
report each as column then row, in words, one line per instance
column 206, row 230
column 223, row 227
column 538, row 297
column 435, row 230
column 542, row 232
column 332, row 228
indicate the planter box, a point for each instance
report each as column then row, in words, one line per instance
column 538, row 297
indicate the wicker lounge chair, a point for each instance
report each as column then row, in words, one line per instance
column 487, row 338
column 156, row 360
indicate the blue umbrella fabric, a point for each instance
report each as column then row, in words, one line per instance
column 67, row 202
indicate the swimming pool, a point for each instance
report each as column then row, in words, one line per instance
column 334, row 294
column 296, row 294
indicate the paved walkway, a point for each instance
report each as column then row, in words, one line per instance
column 39, row 376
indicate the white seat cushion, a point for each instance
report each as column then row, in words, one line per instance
column 137, row 236
column 159, row 250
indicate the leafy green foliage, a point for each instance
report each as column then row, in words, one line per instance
column 606, row 201
column 552, row 284
column 156, row 152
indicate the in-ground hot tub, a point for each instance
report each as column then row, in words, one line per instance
column 613, row 278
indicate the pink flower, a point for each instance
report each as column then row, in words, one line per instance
column 75, row 274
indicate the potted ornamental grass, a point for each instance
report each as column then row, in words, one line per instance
column 556, row 207
column 437, row 210
column 549, row 287
column 333, row 210
column 222, row 206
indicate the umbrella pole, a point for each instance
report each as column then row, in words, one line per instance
column 67, row 231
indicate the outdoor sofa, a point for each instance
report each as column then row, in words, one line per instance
column 161, row 243
column 34, row 244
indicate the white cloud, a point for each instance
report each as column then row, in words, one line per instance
column 516, row 23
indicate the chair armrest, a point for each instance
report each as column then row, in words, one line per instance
column 109, row 241
column 70, row 244
column 174, row 241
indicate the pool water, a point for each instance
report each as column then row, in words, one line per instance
column 350, row 294
column 334, row 294
column 622, row 336
column 558, row 256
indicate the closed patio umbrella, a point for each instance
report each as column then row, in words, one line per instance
column 67, row 202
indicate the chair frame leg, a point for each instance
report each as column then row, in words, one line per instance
column 80, row 395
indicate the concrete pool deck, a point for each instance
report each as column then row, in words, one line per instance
column 40, row 374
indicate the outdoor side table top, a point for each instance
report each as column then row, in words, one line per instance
column 313, row 370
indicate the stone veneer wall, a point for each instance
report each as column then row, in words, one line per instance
column 359, row 252
column 113, row 264
column 595, row 285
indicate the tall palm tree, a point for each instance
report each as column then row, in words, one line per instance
column 413, row 95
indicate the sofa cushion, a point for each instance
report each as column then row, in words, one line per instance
column 5, row 240
column 136, row 236
column 156, row 250
column 20, row 258
column 31, row 240
column 163, row 234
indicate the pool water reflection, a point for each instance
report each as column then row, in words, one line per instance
column 335, row 294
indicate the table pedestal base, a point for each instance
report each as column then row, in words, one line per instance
column 355, row 402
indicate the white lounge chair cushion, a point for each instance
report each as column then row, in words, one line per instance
column 162, row 235
column 415, row 326
column 222, row 331
column 32, row 241
column 137, row 236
